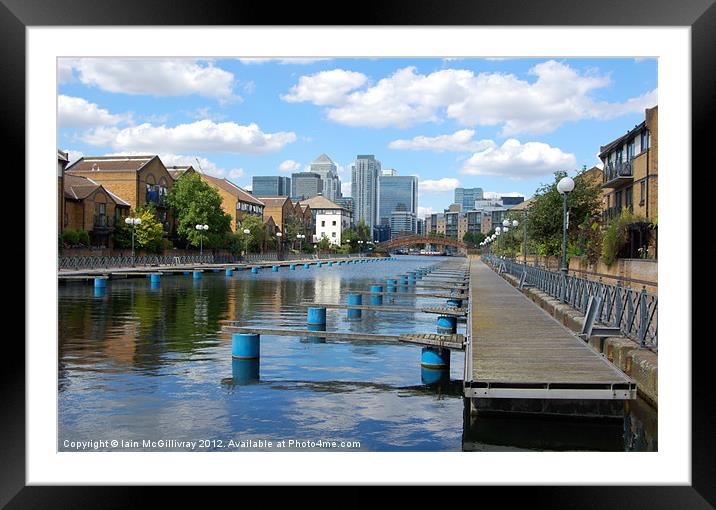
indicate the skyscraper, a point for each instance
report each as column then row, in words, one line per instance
column 306, row 185
column 466, row 197
column 396, row 193
column 364, row 183
column 270, row 186
column 326, row 168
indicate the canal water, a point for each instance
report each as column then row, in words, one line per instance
column 149, row 367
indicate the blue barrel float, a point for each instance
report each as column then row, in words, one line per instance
column 100, row 292
column 245, row 346
column 403, row 283
column 196, row 275
column 292, row 267
column 434, row 376
column 100, row 283
column 244, row 371
column 318, row 264
column 254, row 270
column 355, row 299
column 454, row 302
column 274, row 269
column 447, row 325
column 307, row 266
column 316, row 321
column 437, row 358
column 155, row 278
column 376, row 299
column 391, row 285
column 229, row 271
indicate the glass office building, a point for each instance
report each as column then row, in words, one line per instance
column 270, row 186
column 396, row 193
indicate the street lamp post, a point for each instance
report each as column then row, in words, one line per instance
column 524, row 239
column 564, row 186
column 134, row 222
column 246, row 241
column 300, row 238
column 498, row 232
column 360, row 248
column 278, row 240
column 515, row 224
column 201, row 229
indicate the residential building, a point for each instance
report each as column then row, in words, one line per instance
column 91, row 207
column 62, row 160
column 396, row 193
column 235, row 201
column 305, row 185
column 330, row 219
column 326, row 168
column 467, row 196
column 308, row 223
column 270, row 186
column 364, row 189
column 420, row 226
column 492, row 211
column 435, row 224
column 402, row 223
column 138, row 180
column 278, row 208
column 631, row 169
column 178, row 171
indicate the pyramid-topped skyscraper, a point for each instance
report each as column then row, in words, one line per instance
column 327, row 169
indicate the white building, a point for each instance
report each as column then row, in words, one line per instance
column 329, row 218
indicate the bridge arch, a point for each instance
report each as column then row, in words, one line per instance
column 404, row 241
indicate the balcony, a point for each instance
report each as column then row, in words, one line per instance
column 618, row 174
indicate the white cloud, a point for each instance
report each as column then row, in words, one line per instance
column 558, row 94
column 75, row 112
column 155, row 77
column 325, row 88
column 425, row 211
column 199, row 136
column 444, row 185
column 237, row 173
column 285, row 61
column 519, row 161
column 459, row 141
column 72, row 155
column 289, row 166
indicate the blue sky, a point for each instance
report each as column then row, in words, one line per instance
column 504, row 125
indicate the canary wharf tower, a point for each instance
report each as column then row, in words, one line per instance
column 364, row 189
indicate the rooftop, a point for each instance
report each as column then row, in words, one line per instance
column 110, row 163
column 228, row 186
column 321, row 202
column 79, row 188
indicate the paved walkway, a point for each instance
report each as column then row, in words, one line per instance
column 519, row 351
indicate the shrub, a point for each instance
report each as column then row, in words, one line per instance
column 70, row 237
column 616, row 236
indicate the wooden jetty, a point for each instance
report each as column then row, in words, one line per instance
column 462, row 295
column 517, row 351
column 455, row 341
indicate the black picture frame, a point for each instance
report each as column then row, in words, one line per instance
column 700, row 15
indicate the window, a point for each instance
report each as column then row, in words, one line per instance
column 333, row 234
column 618, row 199
column 100, row 215
column 642, row 192
column 630, row 150
column 334, row 223
column 629, row 198
column 323, row 223
column 644, row 141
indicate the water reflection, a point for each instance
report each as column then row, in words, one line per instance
column 137, row 361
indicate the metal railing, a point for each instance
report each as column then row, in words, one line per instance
column 634, row 312
column 104, row 262
column 618, row 169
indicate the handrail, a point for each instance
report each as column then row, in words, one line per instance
column 634, row 312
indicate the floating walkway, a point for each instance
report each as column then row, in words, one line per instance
column 458, row 312
column 517, row 351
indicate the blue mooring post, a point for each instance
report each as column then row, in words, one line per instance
column 436, row 358
column 292, row 267
column 100, row 283
column 376, row 299
column 391, row 285
column 355, row 299
column 330, row 264
column 100, row 292
column 254, row 270
column 229, row 271
column 196, row 275
column 318, row 264
column 447, row 325
column 316, row 321
column 307, row 266
column 245, row 371
column 403, row 283
column 454, row 303
column 432, row 376
column 155, row 278
column 245, row 346
column 411, row 277
column 274, row 269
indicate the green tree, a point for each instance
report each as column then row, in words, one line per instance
column 324, row 244
column 194, row 202
column 292, row 227
column 150, row 233
column 255, row 241
column 363, row 232
column 546, row 214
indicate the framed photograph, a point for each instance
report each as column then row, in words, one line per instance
column 422, row 248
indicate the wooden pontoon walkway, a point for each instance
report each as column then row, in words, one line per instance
column 457, row 312
column 517, row 350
